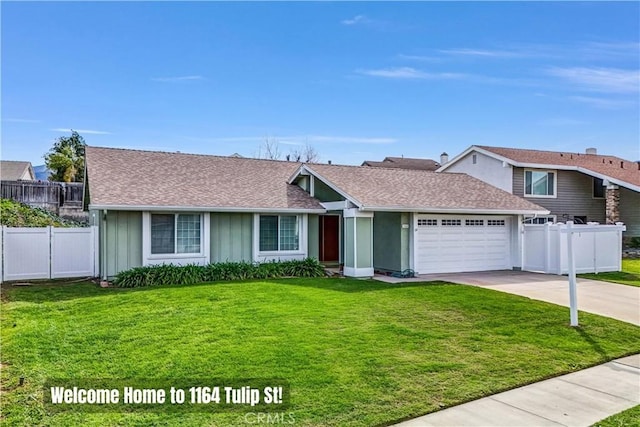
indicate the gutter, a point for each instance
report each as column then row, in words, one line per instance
column 467, row 211
column 201, row 209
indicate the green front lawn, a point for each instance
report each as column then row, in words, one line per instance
column 630, row 274
column 628, row 418
column 356, row 352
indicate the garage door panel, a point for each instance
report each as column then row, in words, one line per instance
column 474, row 243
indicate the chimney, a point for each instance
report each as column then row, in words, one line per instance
column 444, row 159
column 329, row 162
column 591, row 151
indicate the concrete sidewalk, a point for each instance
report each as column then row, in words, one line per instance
column 578, row 399
column 620, row 302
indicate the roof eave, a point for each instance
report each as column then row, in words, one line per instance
column 202, row 209
column 472, row 211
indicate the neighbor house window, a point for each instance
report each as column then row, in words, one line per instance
column 598, row 188
column 539, row 183
column 540, row 220
column 279, row 233
column 175, row 233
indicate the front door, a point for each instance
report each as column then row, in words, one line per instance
column 329, row 238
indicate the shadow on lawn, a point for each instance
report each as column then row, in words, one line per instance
column 52, row 292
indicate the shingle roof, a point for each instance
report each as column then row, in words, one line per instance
column 404, row 163
column 611, row 166
column 420, row 190
column 119, row 177
column 11, row 170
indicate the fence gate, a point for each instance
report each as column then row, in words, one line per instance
column 48, row 253
column 545, row 248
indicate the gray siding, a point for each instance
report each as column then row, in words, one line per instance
column 313, row 243
column 231, row 237
column 390, row 241
column 123, row 241
column 574, row 198
column 387, row 241
column 630, row 211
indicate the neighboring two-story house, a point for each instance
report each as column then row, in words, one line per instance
column 584, row 188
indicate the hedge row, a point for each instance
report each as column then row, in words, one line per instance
column 169, row 274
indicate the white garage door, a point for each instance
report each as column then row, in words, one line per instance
column 452, row 243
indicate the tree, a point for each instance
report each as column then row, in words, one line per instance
column 269, row 149
column 306, row 154
column 65, row 159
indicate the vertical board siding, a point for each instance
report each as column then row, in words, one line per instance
column 574, row 198
column 124, row 241
column 313, row 249
column 324, row 193
column 405, row 241
column 387, row 241
column 364, row 240
column 231, row 237
column 630, row 211
column 349, row 242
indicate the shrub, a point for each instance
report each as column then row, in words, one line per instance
column 169, row 274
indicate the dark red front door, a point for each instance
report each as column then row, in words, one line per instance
column 329, row 238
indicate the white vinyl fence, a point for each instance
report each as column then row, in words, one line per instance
column 545, row 248
column 48, row 253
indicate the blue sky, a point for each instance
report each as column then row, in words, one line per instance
column 357, row 81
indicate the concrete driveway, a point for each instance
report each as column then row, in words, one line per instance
column 620, row 302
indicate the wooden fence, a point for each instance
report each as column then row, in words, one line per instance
column 44, row 194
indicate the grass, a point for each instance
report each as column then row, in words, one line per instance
column 356, row 352
column 630, row 274
column 628, row 418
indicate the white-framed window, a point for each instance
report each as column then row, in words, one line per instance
column 496, row 222
column 451, row 222
column 539, row 183
column 598, row 188
column 176, row 233
column 474, row 222
column 427, row 222
column 279, row 233
column 540, row 219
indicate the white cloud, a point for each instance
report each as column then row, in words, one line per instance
column 176, row 79
column 420, row 58
column 408, row 73
column 81, row 131
column 358, row 19
column 600, row 79
column 603, row 103
column 482, row 53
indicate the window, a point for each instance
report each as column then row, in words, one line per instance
column 474, row 222
column 175, row 233
column 598, row 188
column 539, row 183
column 474, row 159
column 495, row 222
column 539, row 220
column 427, row 222
column 279, row 233
column 451, row 222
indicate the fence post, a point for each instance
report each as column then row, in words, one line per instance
column 51, row 251
column 573, row 298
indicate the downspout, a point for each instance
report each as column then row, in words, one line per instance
column 104, row 245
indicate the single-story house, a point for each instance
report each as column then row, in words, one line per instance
column 582, row 187
column 404, row 163
column 158, row 207
column 11, row 170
